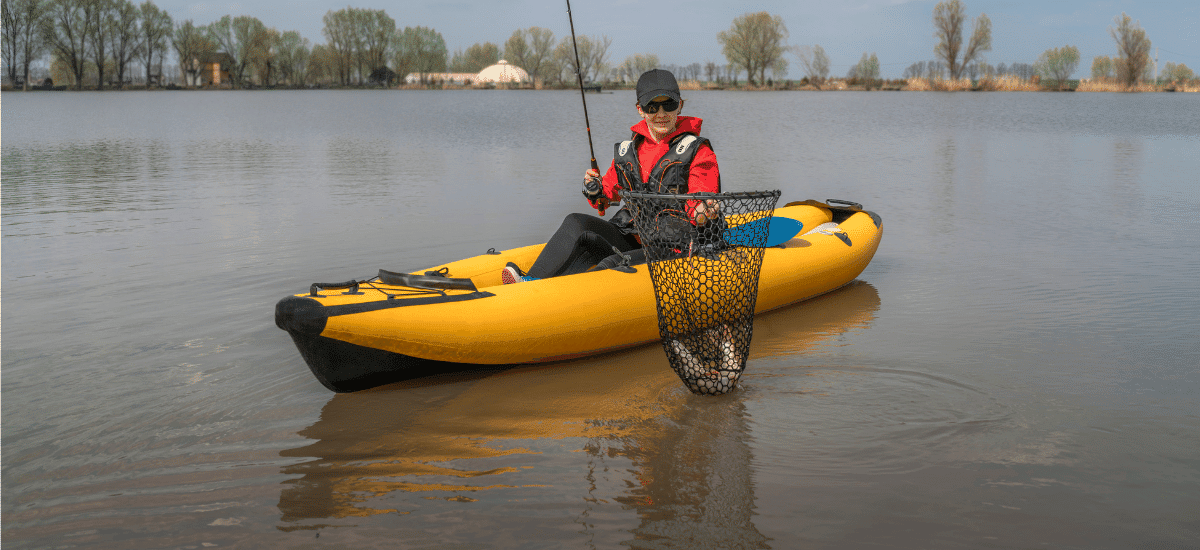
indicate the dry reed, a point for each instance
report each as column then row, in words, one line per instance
column 1099, row 86
column 1007, row 83
column 1114, row 86
column 938, row 85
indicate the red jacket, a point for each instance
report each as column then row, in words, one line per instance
column 703, row 177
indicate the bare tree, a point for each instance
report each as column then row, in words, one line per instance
column 1173, row 73
column 378, row 30
column 516, row 49
column 153, row 34
column 221, row 33
column 814, row 62
column 1102, row 67
column 1023, row 71
column 564, row 68
column 476, row 58
column 541, row 51
column 637, row 64
column 24, row 21
column 1133, row 49
column 593, row 54
column 320, row 67
column 10, row 44
column 359, row 40
column 262, row 46
column 418, row 50
column 192, row 45
column 340, row 36
column 245, row 39
column 912, row 70
column 755, row 42
column 531, row 49
column 949, row 18
column 1058, row 64
column 99, row 31
column 712, row 71
column 65, row 32
column 867, row 70
column 935, row 70
column 125, row 38
column 561, row 67
column 292, row 58
column 598, row 62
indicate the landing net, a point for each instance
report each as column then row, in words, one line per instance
column 705, row 252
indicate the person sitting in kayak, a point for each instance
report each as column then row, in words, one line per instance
column 665, row 155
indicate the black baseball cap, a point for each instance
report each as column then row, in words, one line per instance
column 654, row 83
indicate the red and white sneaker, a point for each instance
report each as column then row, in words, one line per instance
column 513, row 274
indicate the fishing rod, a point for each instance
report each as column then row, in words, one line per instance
column 579, row 75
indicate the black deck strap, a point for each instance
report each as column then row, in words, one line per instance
column 425, row 281
column 365, row 307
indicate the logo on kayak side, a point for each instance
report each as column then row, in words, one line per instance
column 684, row 144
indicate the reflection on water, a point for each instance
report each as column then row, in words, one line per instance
column 101, row 176
column 695, row 478
column 683, row 461
column 824, row 321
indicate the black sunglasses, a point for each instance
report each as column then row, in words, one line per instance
column 669, row 104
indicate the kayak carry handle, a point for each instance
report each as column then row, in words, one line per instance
column 848, row 204
column 317, row 287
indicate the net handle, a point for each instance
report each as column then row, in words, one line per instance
column 690, row 196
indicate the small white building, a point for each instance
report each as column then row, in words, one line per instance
column 502, row 72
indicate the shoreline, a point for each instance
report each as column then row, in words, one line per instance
column 910, row 85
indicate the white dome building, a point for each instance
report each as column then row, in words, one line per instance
column 500, row 73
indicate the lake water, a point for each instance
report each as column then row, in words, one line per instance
column 1017, row 368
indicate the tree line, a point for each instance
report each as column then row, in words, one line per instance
column 107, row 35
column 110, row 39
column 757, row 42
column 104, row 39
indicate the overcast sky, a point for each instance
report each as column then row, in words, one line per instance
column 685, row 31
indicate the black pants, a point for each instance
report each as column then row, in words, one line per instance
column 580, row 242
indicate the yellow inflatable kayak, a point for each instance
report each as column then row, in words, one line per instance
column 458, row 316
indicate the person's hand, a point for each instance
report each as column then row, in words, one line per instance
column 592, row 188
column 707, row 210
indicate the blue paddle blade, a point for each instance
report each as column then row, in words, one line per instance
column 780, row 230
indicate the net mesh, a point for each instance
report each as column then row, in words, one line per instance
column 705, row 252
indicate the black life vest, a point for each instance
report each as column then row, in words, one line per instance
column 669, row 175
